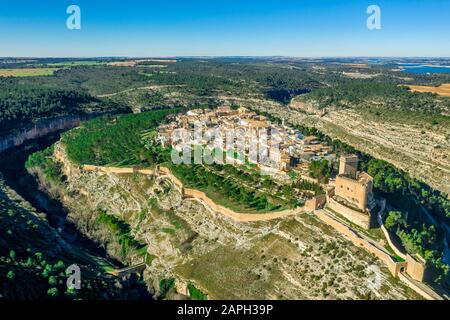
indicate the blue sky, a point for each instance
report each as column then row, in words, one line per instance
column 304, row 28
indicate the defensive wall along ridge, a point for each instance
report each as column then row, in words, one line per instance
column 415, row 265
column 201, row 197
column 393, row 266
column 161, row 172
column 396, row 268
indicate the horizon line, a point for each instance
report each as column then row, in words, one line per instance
column 223, row 56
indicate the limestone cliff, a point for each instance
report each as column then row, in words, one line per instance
column 420, row 149
column 39, row 129
column 290, row 258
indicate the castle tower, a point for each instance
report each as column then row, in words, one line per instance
column 348, row 165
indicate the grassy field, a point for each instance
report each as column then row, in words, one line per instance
column 120, row 63
column 27, row 72
column 77, row 63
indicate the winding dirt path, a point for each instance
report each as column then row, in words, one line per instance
column 139, row 88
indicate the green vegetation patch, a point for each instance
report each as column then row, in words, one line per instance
column 20, row 103
column 123, row 233
column 27, row 72
column 44, row 160
column 196, row 294
column 166, row 286
column 114, row 140
column 377, row 95
column 77, row 63
column 320, row 170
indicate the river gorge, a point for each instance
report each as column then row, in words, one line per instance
column 190, row 243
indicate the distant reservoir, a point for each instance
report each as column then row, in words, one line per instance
column 423, row 69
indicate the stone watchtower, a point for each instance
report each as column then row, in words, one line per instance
column 353, row 186
column 348, row 165
column 353, row 195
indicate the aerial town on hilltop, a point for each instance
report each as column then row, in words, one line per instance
column 287, row 147
column 349, row 199
column 350, row 193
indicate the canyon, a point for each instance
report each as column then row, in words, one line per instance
column 419, row 149
column 39, row 129
column 296, row 257
column 191, row 243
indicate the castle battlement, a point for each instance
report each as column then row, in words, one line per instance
column 353, row 194
column 362, row 178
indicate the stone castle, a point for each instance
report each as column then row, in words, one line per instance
column 352, row 195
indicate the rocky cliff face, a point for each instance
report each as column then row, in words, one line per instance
column 38, row 246
column 291, row 258
column 39, row 129
column 421, row 150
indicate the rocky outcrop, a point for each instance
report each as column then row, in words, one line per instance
column 39, row 129
column 296, row 257
column 187, row 193
column 421, row 150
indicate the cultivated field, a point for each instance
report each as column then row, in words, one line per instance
column 77, row 63
column 443, row 90
column 128, row 63
column 27, row 72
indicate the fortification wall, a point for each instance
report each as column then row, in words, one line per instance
column 316, row 203
column 174, row 179
column 148, row 172
column 392, row 243
column 163, row 172
column 356, row 217
column 417, row 288
column 59, row 153
column 416, row 269
column 108, row 169
column 238, row 216
column 394, row 267
column 68, row 168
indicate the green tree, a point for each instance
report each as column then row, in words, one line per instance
column 53, row 292
column 59, row 265
column 320, row 170
column 11, row 275
column 394, row 220
column 165, row 285
column 52, row 281
column 196, row 294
